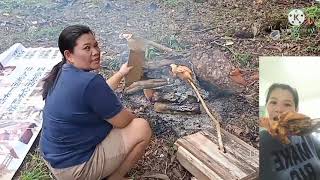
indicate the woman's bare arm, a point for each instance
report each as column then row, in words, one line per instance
column 122, row 119
column 114, row 80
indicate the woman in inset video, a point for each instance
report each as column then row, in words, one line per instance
column 286, row 155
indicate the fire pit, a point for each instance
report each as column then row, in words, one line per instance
column 171, row 105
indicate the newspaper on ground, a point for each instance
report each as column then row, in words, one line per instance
column 21, row 72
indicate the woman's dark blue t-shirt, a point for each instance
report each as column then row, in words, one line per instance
column 74, row 117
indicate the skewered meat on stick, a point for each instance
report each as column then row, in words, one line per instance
column 182, row 72
column 303, row 126
column 290, row 123
column 185, row 73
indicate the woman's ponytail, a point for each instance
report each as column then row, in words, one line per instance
column 50, row 80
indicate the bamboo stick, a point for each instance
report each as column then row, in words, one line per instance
column 217, row 123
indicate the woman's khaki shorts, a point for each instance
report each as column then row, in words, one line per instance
column 107, row 157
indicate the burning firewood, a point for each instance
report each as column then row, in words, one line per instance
column 149, row 94
column 185, row 74
column 150, row 65
column 145, row 84
column 174, row 108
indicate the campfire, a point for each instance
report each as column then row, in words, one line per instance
column 167, row 92
column 157, row 81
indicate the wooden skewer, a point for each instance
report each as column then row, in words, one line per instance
column 315, row 123
column 217, row 123
column 316, row 120
column 305, row 126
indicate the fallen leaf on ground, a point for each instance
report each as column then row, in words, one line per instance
column 255, row 29
column 235, row 72
column 255, row 76
column 229, row 43
column 177, row 172
column 235, row 129
column 237, row 77
column 173, row 157
column 259, row 1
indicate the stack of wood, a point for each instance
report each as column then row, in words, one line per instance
column 154, row 78
column 168, row 94
column 199, row 154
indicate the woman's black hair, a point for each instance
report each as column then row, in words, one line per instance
column 67, row 41
column 292, row 90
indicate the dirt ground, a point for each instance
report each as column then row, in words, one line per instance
column 182, row 25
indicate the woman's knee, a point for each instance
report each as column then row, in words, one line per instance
column 142, row 127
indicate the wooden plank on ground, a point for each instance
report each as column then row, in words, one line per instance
column 200, row 155
column 198, row 168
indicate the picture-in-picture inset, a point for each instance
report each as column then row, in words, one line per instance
column 289, row 101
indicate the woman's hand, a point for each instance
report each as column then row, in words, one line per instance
column 114, row 80
column 265, row 123
column 125, row 69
